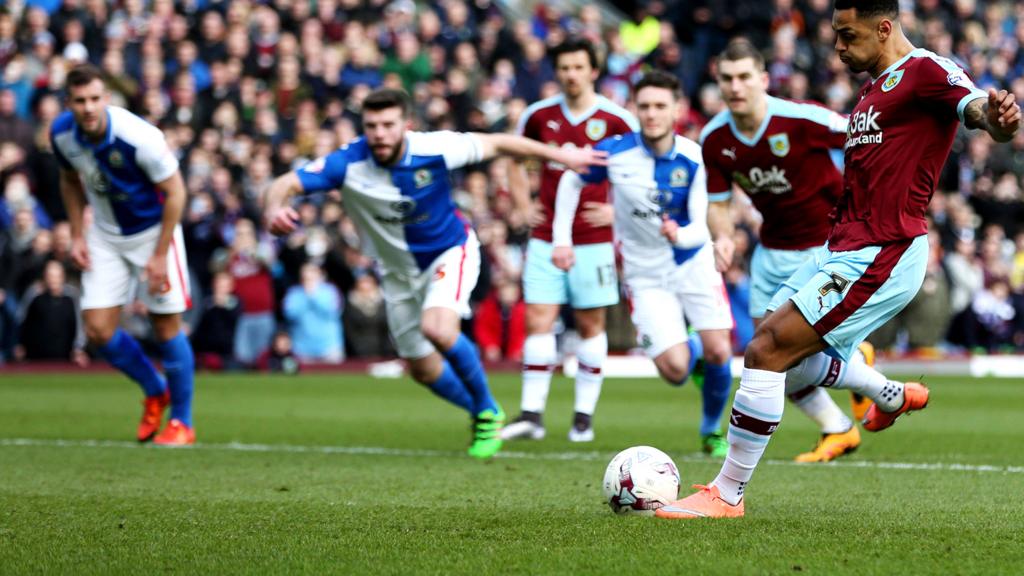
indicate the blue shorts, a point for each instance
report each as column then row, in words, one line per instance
column 591, row 283
column 769, row 270
column 846, row 296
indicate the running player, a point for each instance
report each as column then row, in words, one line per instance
column 395, row 185
column 659, row 194
column 779, row 153
column 121, row 166
column 576, row 118
column 899, row 136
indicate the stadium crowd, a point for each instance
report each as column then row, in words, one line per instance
column 247, row 90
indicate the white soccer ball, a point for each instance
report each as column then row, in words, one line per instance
column 639, row 480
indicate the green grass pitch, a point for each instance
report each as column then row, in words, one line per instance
column 350, row 475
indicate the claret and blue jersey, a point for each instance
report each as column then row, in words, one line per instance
column 406, row 210
column 645, row 187
column 120, row 172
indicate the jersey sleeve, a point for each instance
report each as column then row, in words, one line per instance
column 61, row 159
column 718, row 180
column 527, row 126
column 944, row 85
column 596, row 174
column 324, row 173
column 458, row 148
column 825, row 128
column 155, row 158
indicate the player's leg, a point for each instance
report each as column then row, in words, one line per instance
column 105, row 288
column 545, row 289
column 165, row 308
column 593, row 286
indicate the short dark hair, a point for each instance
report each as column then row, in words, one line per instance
column 574, row 44
column 740, row 48
column 870, row 8
column 83, row 74
column 384, row 98
column 660, row 79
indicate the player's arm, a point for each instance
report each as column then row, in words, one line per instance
column 73, row 194
column 567, row 200
column 173, row 190
column 719, row 218
column 325, row 173
column 696, row 232
column 575, row 159
column 999, row 115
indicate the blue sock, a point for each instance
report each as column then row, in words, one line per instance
column 124, row 353
column 717, row 385
column 696, row 347
column 179, row 365
column 449, row 387
column 466, row 362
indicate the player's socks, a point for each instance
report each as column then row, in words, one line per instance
column 696, row 346
column 466, row 362
column 756, row 412
column 818, row 406
column 180, row 369
column 590, row 355
column 717, row 385
column 540, row 351
column 450, row 387
column 124, row 353
column 855, row 375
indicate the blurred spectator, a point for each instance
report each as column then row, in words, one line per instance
column 49, row 319
column 248, row 261
column 313, row 312
column 365, row 320
column 214, row 335
column 279, row 357
column 500, row 323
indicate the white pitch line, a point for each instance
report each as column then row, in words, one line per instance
column 565, row 456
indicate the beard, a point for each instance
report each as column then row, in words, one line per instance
column 390, row 156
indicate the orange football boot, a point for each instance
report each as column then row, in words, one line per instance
column 152, row 415
column 707, row 503
column 176, row 434
column 832, row 446
column 915, row 397
column 860, row 404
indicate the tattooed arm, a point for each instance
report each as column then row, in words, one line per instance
column 999, row 115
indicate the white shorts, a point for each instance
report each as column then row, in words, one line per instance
column 117, row 264
column 693, row 292
column 447, row 283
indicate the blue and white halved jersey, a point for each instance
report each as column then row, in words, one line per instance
column 405, row 210
column 644, row 188
column 120, row 172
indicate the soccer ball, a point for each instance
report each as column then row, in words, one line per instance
column 639, row 480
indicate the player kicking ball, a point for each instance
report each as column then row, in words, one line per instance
column 122, row 167
column 396, row 187
column 779, row 153
column 899, row 136
column 660, row 201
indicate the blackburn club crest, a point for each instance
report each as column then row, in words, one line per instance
column 779, row 143
column 680, row 178
column 596, row 128
column 422, row 177
column 116, row 159
column 892, row 80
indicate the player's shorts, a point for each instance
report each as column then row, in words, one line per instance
column 846, row 296
column 117, row 266
column 591, row 283
column 769, row 269
column 446, row 283
column 693, row 292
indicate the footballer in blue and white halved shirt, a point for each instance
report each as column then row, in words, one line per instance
column 121, row 166
column 395, row 184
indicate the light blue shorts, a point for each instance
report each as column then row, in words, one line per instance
column 846, row 296
column 591, row 283
column 769, row 270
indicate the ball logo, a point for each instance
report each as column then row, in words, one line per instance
column 596, row 128
column 660, row 197
column 99, row 182
column 404, row 206
column 892, row 81
column 422, row 177
column 779, row 144
column 680, row 178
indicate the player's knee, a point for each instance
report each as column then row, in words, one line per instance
column 439, row 334
column 590, row 323
column 718, row 351
column 761, row 349
column 425, row 370
column 98, row 334
column 540, row 318
column 673, row 368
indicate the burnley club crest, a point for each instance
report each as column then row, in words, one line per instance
column 779, row 143
column 596, row 128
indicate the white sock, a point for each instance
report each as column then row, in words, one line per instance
column 756, row 412
column 802, row 389
column 858, row 377
column 591, row 354
column 540, row 352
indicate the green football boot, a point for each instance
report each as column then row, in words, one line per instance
column 487, row 434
